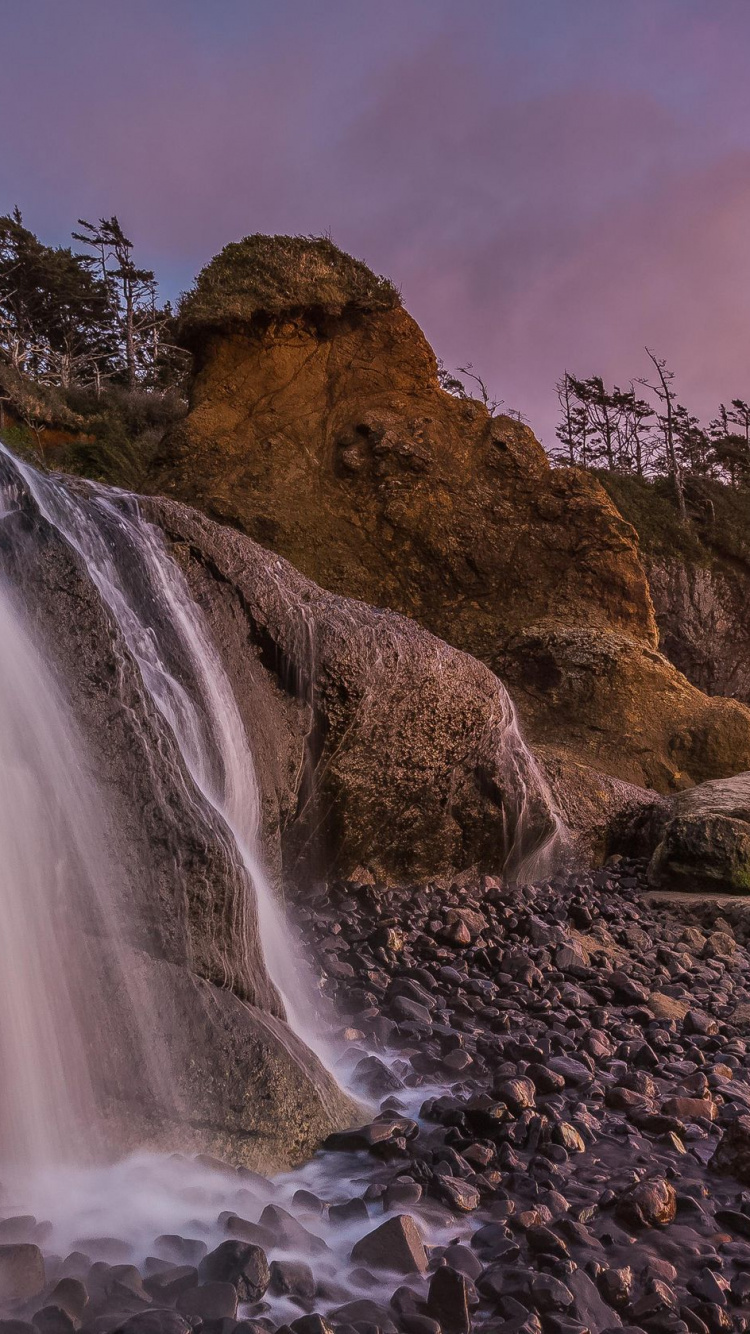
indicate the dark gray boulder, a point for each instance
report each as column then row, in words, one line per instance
column 703, row 838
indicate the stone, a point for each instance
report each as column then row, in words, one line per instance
column 704, row 844
column 292, row 1278
column 457, row 1194
column 689, row 1109
column 447, row 1300
column 732, row 1154
column 616, row 1285
column 311, row 1324
column 165, row 1286
column 53, row 1319
column 395, row 1245
column 180, row 1250
column 154, row 1322
column 21, row 1272
column 374, row 1078
column 650, row 1203
column 549, row 1293
column 71, row 1295
column 239, row 1263
column 386, row 1129
column 517, row 1094
column 351, row 1211
column 289, row 1234
column 212, row 1301
column 364, row 1315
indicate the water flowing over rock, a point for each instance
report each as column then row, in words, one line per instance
column 411, row 761
column 218, row 702
column 167, row 946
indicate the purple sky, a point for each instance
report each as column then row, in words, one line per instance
column 552, row 183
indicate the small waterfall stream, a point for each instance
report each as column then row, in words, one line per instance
column 145, row 592
column 50, row 859
column 163, row 630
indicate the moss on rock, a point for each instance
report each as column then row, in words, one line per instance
column 277, row 275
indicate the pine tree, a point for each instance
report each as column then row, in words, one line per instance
column 132, row 293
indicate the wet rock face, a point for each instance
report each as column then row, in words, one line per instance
column 408, row 758
column 701, row 613
column 238, row 1082
column 703, row 839
column 329, row 440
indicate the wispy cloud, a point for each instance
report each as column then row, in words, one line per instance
column 551, row 184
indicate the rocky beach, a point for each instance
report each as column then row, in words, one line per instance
column 558, row 1135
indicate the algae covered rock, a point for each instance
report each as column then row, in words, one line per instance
column 705, row 840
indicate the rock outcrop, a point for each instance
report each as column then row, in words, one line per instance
column 403, row 758
column 703, row 839
column 698, row 575
column 701, row 612
column 318, row 426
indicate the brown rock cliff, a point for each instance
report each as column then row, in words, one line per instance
column 318, row 426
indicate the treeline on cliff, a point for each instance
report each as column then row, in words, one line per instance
column 91, row 367
column 620, row 430
column 88, row 358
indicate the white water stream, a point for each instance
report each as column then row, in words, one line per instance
column 164, row 631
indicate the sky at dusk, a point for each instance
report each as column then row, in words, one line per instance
column 551, row 183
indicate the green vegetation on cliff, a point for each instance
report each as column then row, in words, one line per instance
column 718, row 522
column 275, row 275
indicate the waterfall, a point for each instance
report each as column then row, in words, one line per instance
column 164, row 631
column 50, row 859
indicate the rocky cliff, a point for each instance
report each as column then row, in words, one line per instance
column 318, row 427
column 698, row 575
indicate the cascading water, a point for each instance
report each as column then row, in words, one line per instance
column 49, row 860
column 72, row 988
column 163, row 629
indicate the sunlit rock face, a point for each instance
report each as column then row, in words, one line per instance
column 318, row 427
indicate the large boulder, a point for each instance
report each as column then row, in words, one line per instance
column 318, row 426
column 704, row 839
column 407, row 759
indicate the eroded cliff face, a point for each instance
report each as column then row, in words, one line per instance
column 321, row 431
column 703, row 615
column 333, row 443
